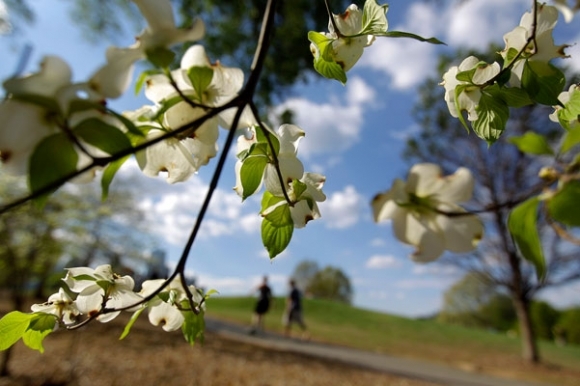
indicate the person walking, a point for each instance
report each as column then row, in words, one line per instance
column 262, row 306
column 293, row 313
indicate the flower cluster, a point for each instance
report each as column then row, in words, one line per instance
column 101, row 294
column 424, row 212
column 291, row 195
column 486, row 91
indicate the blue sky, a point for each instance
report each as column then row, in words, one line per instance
column 354, row 135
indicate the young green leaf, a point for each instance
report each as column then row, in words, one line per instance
column 40, row 326
column 532, row 143
column 200, row 78
column 251, row 174
column 543, row 82
column 571, row 139
column 277, row 229
column 374, row 18
column 131, row 322
column 563, row 207
column 399, row 34
column 103, row 136
column 324, row 63
column 161, row 57
column 53, row 159
column 523, row 228
column 109, row 174
column 193, row 327
column 492, row 115
column 12, row 327
column 515, row 97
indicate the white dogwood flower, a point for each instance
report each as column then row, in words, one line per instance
column 541, row 48
column 60, row 305
column 113, row 78
column 469, row 97
column 291, row 167
column 183, row 156
column 100, row 288
column 165, row 309
column 418, row 210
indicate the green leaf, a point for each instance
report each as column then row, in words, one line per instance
column 515, row 97
column 160, row 56
column 262, row 137
column 467, row 76
column 200, row 78
column 40, row 326
column 142, row 78
column 522, row 226
column 133, row 131
column 47, row 103
column 79, row 105
column 193, row 327
column 53, row 159
column 563, row 206
column 103, row 136
column 131, row 322
column 458, row 90
column 252, row 173
column 277, row 229
column 109, row 174
column 492, row 115
column 298, row 187
column 532, row 143
column 324, row 62
column 12, row 327
column 571, row 110
column 374, row 18
column 571, row 139
column 399, row 34
column 543, row 82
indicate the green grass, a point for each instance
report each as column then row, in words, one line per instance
column 425, row 339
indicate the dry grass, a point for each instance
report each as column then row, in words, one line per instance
column 149, row 356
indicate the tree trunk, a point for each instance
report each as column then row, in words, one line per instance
column 529, row 347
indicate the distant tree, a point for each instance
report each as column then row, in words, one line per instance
column 304, row 273
column 568, row 326
column 463, row 300
column 73, row 228
column 498, row 313
column 474, row 301
column 332, row 284
column 544, row 319
column 329, row 283
column 502, row 174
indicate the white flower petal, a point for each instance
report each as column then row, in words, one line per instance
column 166, row 315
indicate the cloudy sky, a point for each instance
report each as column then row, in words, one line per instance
column 354, row 135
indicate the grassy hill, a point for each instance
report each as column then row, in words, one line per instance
column 471, row 349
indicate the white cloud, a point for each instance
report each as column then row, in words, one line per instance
column 382, row 261
column 343, row 209
column 410, row 284
column 406, row 63
column 333, row 126
column 470, row 24
column 562, row 297
column 477, row 23
column 378, row 242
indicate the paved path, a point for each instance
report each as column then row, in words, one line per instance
column 379, row 362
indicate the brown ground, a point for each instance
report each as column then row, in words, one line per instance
column 150, row 356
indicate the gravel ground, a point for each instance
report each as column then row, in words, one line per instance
column 149, row 356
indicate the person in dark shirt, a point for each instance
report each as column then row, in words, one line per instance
column 262, row 306
column 293, row 312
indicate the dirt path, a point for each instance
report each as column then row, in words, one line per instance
column 93, row 356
